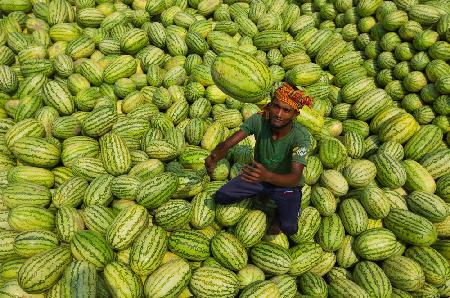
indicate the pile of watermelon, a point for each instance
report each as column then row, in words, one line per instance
column 108, row 110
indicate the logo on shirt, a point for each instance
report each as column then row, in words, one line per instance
column 300, row 151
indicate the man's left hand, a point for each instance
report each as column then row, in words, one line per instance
column 255, row 173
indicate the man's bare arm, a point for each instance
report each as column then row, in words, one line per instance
column 222, row 149
column 258, row 173
column 287, row 180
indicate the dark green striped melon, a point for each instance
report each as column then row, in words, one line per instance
column 308, row 224
column 410, row 227
column 434, row 265
column 260, row 289
column 305, row 256
column 425, row 140
column 404, row 273
column 25, row 194
column 122, row 281
column 45, row 154
column 128, row 224
column 30, row 243
column 417, row 177
column 229, row 251
column 41, row 271
column 173, row 214
column 346, row 256
column 154, row 192
column 114, row 154
column 7, row 244
column 91, row 247
column 331, row 152
column 369, row 276
column 331, row 233
column 428, row 205
column 80, row 279
column 231, row 73
column 67, row 222
column 214, row 282
column 375, row 244
column 342, row 287
column 98, row 218
column 353, row 216
column 390, row 172
column 312, row 284
column 271, row 258
column 168, row 280
column 30, row 218
column 251, row 228
column 189, row 244
column 147, row 250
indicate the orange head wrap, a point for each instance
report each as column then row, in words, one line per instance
column 293, row 97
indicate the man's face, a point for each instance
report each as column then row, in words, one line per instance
column 281, row 114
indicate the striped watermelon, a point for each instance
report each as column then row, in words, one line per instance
column 91, row 247
column 26, row 194
column 98, row 218
column 114, row 154
column 251, row 228
column 375, row 244
column 173, row 214
column 434, row 265
column 331, row 233
column 312, row 284
column 122, row 281
column 7, row 242
column 410, row 227
column 271, row 258
column 128, row 224
column 248, row 275
column 211, row 282
column 376, row 283
column 229, row 251
column 80, row 279
column 428, row 205
column 342, row 287
column 404, row 273
column 229, row 72
column 68, row 221
column 41, row 271
column 261, row 289
column 168, row 280
column 147, row 251
column 304, row 256
column 353, row 216
column 346, row 256
column 189, row 244
column 30, row 218
column 28, row 244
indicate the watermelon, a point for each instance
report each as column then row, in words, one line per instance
column 230, row 72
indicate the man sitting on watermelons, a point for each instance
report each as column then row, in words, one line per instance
column 280, row 149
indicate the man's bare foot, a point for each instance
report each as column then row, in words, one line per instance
column 274, row 228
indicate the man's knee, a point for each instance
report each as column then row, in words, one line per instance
column 221, row 196
column 226, row 196
column 289, row 228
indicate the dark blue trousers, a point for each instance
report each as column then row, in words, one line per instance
column 287, row 199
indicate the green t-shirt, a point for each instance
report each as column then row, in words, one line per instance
column 277, row 155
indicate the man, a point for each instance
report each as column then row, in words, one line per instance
column 280, row 149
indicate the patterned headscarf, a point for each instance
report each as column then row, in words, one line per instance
column 293, row 97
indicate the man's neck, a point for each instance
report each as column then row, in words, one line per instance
column 278, row 133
